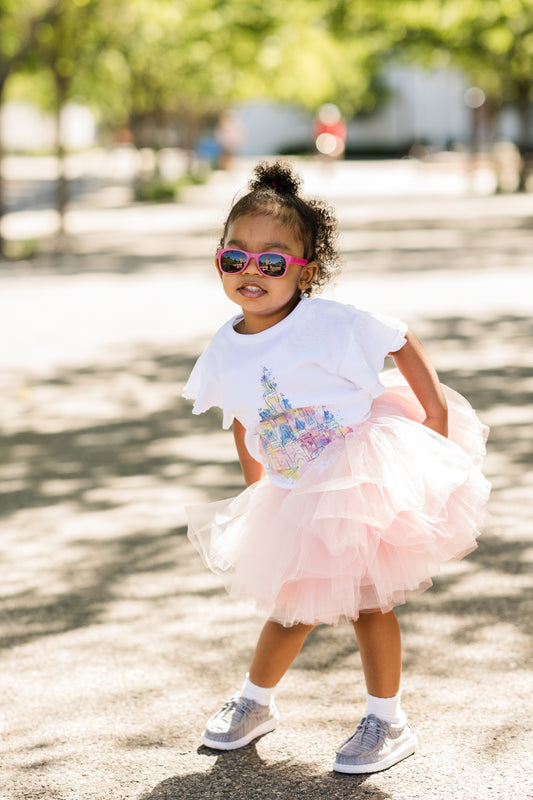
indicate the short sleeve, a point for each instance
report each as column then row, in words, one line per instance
column 369, row 338
column 379, row 335
column 203, row 385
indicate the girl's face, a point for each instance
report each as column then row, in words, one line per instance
column 265, row 301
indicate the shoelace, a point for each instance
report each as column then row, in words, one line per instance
column 239, row 705
column 371, row 731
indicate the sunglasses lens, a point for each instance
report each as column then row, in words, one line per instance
column 232, row 261
column 273, row 265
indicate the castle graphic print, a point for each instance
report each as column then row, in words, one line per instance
column 290, row 437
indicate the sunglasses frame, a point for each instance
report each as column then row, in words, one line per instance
column 288, row 260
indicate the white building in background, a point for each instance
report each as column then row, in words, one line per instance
column 425, row 106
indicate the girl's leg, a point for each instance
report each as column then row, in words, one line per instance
column 383, row 737
column 276, row 649
column 378, row 637
column 239, row 721
column 379, row 640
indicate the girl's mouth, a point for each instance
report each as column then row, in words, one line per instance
column 251, row 290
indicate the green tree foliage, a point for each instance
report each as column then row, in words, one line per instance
column 491, row 40
column 19, row 23
column 165, row 55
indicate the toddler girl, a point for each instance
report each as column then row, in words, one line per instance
column 355, row 494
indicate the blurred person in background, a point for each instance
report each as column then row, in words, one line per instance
column 330, row 132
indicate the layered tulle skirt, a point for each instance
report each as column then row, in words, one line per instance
column 368, row 523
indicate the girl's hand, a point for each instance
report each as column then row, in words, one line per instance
column 415, row 366
column 438, row 425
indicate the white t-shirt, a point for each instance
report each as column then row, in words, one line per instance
column 299, row 384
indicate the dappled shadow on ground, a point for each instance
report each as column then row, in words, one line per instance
column 503, row 568
column 47, row 462
column 235, row 775
column 96, row 465
column 117, row 259
column 494, row 370
column 91, row 584
column 456, row 238
column 422, row 245
column 38, row 194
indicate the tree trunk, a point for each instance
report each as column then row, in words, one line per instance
column 525, row 133
column 62, row 189
column 3, row 79
column 61, row 185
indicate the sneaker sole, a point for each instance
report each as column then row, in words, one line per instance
column 265, row 727
column 407, row 750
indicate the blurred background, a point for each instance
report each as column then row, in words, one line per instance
column 171, row 89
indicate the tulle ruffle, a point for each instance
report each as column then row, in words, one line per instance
column 369, row 522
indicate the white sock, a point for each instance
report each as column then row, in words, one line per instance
column 385, row 708
column 261, row 695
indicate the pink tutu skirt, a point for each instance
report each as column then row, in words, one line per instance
column 368, row 523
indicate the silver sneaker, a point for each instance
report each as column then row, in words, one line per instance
column 374, row 746
column 238, row 722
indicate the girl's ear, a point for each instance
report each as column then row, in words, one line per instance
column 307, row 275
column 218, row 268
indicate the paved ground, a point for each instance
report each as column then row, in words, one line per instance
column 116, row 643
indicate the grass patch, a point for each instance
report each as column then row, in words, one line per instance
column 162, row 191
column 21, row 250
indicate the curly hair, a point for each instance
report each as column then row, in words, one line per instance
column 275, row 191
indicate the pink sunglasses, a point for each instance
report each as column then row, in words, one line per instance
column 273, row 265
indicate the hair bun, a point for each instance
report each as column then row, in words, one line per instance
column 277, row 177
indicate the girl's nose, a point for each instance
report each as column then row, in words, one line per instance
column 252, row 267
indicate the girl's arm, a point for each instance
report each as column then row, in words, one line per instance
column 251, row 469
column 414, row 364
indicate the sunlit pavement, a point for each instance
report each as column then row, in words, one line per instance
column 117, row 645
